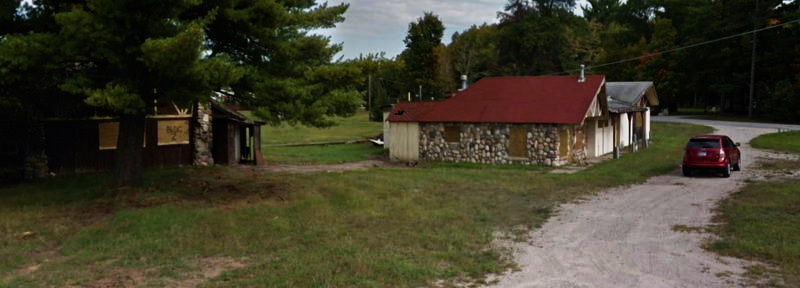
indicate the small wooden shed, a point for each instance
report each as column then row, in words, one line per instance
column 200, row 135
column 237, row 139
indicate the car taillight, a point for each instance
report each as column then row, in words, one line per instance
column 721, row 154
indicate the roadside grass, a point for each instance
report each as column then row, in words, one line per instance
column 786, row 141
column 689, row 111
column 383, row 227
column 762, row 222
column 732, row 118
column 322, row 154
column 356, row 127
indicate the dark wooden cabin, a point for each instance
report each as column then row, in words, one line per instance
column 89, row 144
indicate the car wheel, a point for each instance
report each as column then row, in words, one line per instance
column 727, row 172
column 687, row 172
column 737, row 166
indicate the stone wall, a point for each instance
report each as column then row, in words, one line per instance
column 488, row 143
column 203, row 137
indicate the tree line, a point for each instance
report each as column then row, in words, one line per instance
column 73, row 59
column 79, row 58
column 699, row 53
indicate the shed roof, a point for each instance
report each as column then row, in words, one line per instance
column 617, row 106
column 543, row 99
column 410, row 111
column 227, row 112
column 631, row 92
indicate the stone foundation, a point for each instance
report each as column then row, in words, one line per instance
column 35, row 166
column 488, row 143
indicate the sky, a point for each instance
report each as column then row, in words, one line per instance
column 373, row 26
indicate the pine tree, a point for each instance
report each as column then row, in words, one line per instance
column 121, row 55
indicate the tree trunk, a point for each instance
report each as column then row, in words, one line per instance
column 130, row 151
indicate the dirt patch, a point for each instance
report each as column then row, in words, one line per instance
column 118, row 278
column 315, row 168
column 205, row 270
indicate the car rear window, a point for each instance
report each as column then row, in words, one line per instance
column 703, row 143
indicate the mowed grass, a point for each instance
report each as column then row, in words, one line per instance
column 786, row 141
column 322, row 154
column 357, row 127
column 762, row 222
column 387, row 227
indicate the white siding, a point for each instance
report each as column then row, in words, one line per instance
column 591, row 138
column 647, row 124
column 404, row 145
column 624, row 130
column 600, row 141
column 605, row 136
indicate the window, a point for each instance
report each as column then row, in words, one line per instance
column 703, row 143
column 108, row 132
column 729, row 143
column 518, row 142
column 602, row 123
column 452, row 134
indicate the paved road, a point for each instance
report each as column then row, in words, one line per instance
column 626, row 237
column 683, row 119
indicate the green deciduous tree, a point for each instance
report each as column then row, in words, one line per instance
column 474, row 52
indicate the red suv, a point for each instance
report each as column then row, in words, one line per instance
column 712, row 152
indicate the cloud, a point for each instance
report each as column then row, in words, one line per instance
column 378, row 25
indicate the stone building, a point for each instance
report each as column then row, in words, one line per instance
column 528, row 120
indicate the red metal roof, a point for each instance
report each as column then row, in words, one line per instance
column 410, row 111
column 544, row 99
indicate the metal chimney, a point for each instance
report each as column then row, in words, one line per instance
column 582, row 78
column 463, row 82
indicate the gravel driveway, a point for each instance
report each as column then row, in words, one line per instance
column 625, row 237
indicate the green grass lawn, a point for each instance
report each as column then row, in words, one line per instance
column 322, row 154
column 352, row 128
column 787, row 141
column 384, row 227
column 762, row 222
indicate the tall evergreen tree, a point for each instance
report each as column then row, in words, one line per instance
column 533, row 37
column 122, row 55
column 423, row 58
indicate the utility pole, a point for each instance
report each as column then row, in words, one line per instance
column 753, row 64
column 369, row 93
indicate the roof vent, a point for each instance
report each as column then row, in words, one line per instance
column 582, row 78
column 463, row 82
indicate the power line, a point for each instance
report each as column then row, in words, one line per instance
column 678, row 49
